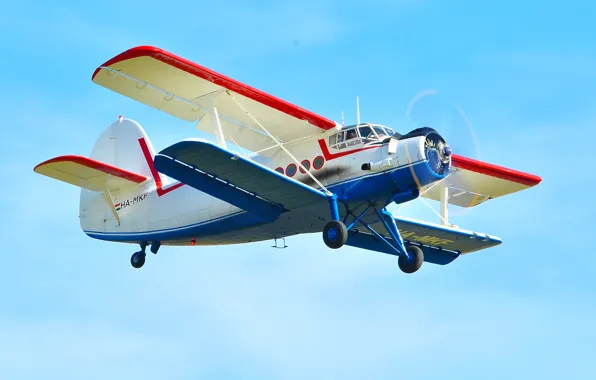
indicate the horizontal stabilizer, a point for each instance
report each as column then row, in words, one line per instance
column 473, row 182
column 234, row 179
column 87, row 173
column 440, row 244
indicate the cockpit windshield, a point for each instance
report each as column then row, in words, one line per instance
column 359, row 135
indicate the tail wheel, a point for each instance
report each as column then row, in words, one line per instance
column 137, row 259
column 413, row 261
column 335, row 234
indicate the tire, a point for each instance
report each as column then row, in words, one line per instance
column 335, row 234
column 414, row 260
column 137, row 260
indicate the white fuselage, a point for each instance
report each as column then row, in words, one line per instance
column 173, row 213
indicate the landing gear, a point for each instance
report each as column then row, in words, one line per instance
column 413, row 261
column 410, row 256
column 137, row 259
column 335, row 234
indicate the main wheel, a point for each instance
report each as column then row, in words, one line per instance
column 137, row 259
column 335, row 234
column 414, row 260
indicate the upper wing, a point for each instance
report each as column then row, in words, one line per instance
column 182, row 88
column 234, row 179
column 440, row 244
column 473, row 182
column 87, row 173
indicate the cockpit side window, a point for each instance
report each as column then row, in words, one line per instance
column 351, row 134
column 380, row 132
column 344, row 138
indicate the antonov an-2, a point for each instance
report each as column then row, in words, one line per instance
column 295, row 172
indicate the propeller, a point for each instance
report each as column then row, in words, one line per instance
column 428, row 109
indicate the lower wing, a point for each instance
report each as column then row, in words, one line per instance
column 440, row 244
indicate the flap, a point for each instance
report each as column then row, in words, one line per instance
column 473, row 182
column 207, row 159
column 87, row 173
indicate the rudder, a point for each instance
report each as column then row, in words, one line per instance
column 125, row 145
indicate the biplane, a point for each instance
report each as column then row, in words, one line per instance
column 272, row 170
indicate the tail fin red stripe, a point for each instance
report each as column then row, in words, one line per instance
column 156, row 177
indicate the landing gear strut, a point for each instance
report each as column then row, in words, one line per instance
column 410, row 257
column 137, row 259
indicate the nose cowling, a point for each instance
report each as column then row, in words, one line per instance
column 436, row 149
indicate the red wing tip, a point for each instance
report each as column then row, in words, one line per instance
column 496, row 171
column 134, row 52
column 69, row 158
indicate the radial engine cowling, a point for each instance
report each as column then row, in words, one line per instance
column 436, row 149
column 426, row 151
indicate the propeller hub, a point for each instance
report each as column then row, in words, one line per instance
column 447, row 151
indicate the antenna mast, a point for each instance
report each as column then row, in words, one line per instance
column 357, row 110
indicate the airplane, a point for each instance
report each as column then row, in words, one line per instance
column 289, row 172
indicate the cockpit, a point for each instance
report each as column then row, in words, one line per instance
column 358, row 135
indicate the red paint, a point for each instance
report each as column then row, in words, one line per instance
column 158, row 184
column 495, row 170
column 220, row 80
column 332, row 156
column 93, row 164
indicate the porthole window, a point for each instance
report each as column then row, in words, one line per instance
column 306, row 164
column 318, row 162
column 291, row 170
column 280, row 170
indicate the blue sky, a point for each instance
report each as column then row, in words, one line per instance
column 523, row 74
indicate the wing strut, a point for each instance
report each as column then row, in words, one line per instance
column 279, row 144
column 444, row 189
